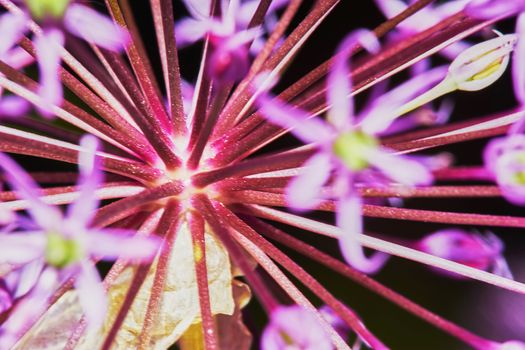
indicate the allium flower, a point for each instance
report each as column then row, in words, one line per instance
column 78, row 19
column 348, row 148
column 55, row 248
column 194, row 169
column 484, row 252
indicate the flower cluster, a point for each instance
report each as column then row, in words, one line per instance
column 165, row 218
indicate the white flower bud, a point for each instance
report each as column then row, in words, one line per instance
column 482, row 64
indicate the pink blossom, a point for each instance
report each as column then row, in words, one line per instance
column 348, row 149
column 230, row 37
column 55, row 247
column 484, row 252
column 79, row 20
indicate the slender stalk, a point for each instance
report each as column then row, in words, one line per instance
column 377, row 211
column 202, row 204
column 167, row 228
column 290, row 288
column 147, row 226
column 464, row 173
column 136, row 283
column 196, row 224
column 120, row 209
column 308, row 280
column 164, row 27
column 241, row 94
column 313, row 253
column 21, row 142
column 68, row 194
column 263, row 164
column 122, row 14
column 146, row 118
column 389, row 248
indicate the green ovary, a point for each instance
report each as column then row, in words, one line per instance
column 41, row 9
column 351, row 148
column 61, row 252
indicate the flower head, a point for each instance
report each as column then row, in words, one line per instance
column 55, row 248
column 79, row 20
column 505, row 158
column 484, row 252
column 347, row 148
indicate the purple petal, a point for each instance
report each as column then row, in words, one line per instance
column 304, row 191
column 486, row 9
column 339, row 84
column 91, row 294
column 48, row 52
column 401, row 169
column 13, row 106
column 300, row 124
column 45, row 216
column 112, row 244
column 518, row 61
column 95, row 28
column 381, row 113
column 349, row 219
column 82, row 210
column 28, row 277
column 296, row 325
column 18, row 58
column 188, row 31
column 29, row 309
column 198, row 8
column 21, row 248
column 12, row 27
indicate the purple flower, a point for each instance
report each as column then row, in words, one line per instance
column 484, row 252
column 79, row 20
column 293, row 327
column 229, row 61
column 504, row 157
column 55, row 247
column 348, row 150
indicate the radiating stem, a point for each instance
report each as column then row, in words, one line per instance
column 164, row 26
column 120, row 209
column 203, row 205
column 290, row 288
column 346, row 314
column 196, row 224
column 167, row 228
column 361, row 278
column 140, row 62
column 389, row 248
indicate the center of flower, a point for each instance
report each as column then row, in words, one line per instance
column 60, row 251
column 351, row 149
column 41, row 9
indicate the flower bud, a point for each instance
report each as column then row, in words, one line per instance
column 483, row 252
column 481, row 65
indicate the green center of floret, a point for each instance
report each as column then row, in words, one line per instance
column 352, row 147
column 41, row 9
column 62, row 252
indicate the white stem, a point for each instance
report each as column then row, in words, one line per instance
column 70, row 197
column 390, row 248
